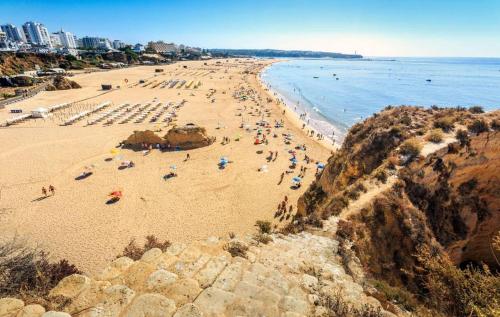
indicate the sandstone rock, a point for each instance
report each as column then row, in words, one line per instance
column 295, row 305
column 190, row 254
column 250, row 307
column 188, row 310
column 115, row 299
column 213, row 301
column 71, row 286
column 90, row 296
column 183, row 291
column 116, row 268
column 150, row 305
column 56, row 314
column 151, row 255
column 229, row 277
column 137, row 274
column 31, row 311
column 160, row 279
column 175, row 249
column 165, row 261
column 9, row 307
column 212, row 269
column 309, row 282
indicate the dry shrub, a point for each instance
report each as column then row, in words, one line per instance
column 456, row 292
column 410, row 148
column 345, row 229
column 435, row 136
column 463, row 137
column 446, row 124
column 478, row 126
column 381, row 176
column 476, row 109
column 135, row 252
column 495, row 124
column 337, row 306
column 263, row 226
column 236, row 248
column 262, row 238
column 396, row 295
column 27, row 273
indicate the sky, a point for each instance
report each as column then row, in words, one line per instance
column 369, row 27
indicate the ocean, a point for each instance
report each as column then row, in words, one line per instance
column 337, row 93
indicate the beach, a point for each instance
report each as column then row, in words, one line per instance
column 202, row 201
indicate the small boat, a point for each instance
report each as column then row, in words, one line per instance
column 428, row 80
column 315, row 77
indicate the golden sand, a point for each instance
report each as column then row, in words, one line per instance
column 77, row 224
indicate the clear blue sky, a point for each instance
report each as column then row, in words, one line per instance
column 371, row 27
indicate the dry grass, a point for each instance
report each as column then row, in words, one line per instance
column 456, row 292
column 135, row 252
column 435, row 136
column 27, row 273
column 410, row 148
column 337, row 306
column 236, row 248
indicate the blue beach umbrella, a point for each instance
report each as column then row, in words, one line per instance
column 321, row 165
column 296, row 179
column 293, row 160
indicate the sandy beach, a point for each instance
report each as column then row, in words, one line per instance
column 77, row 224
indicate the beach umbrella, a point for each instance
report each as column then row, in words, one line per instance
column 114, row 151
column 116, row 193
column 293, row 160
column 321, row 165
column 173, row 167
column 296, row 179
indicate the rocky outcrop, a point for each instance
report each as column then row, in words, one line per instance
column 62, row 83
column 188, row 137
column 184, row 138
column 293, row 275
column 445, row 200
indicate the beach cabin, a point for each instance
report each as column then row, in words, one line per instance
column 40, row 112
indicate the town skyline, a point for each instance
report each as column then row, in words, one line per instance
column 406, row 28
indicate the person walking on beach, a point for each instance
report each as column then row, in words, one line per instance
column 187, row 157
column 281, row 178
column 44, row 191
column 52, row 190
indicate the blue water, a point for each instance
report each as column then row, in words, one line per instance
column 366, row 86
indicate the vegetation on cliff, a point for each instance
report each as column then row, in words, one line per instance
column 428, row 236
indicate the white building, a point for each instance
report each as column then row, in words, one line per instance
column 37, row 34
column 55, row 40
column 66, row 39
column 117, row 44
column 138, row 48
column 13, row 33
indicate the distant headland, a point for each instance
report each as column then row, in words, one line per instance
column 279, row 53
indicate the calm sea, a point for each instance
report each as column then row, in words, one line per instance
column 336, row 93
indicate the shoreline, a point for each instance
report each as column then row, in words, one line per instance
column 291, row 115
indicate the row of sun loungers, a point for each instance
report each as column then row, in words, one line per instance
column 83, row 114
column 108, row 114
column 132, row 112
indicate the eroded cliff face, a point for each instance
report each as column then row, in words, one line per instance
column 447, row 198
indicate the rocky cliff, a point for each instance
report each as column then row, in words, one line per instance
column 401, row 186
